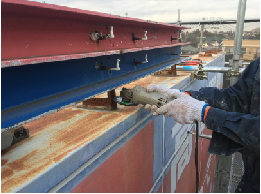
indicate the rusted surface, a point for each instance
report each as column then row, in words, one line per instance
column 3, row 161
column 171, row 71
column 107, row 102
column 54, row 136
column 205, row 55
column 213, row 51
column 53, row 143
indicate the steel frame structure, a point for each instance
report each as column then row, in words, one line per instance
column 50, row 62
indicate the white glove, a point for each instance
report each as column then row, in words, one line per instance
column 167, row 92
column 184, row 110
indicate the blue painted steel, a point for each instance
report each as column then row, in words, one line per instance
column 32, row 90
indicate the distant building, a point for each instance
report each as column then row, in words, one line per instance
column 250, row 49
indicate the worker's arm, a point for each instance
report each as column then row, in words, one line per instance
column 232, row 131
column 236, row 98
column 242, row 129
column 233, row 127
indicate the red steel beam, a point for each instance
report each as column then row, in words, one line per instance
column 35, row 32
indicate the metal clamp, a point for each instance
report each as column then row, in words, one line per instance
column 200, row 74
column 233, row 73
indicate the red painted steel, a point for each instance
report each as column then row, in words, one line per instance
column 34, row 30
column 35, row 60
column 129, row 170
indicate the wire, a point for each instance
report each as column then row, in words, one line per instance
column 196, row 157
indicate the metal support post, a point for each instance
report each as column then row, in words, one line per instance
column 235, row 62
column 179, row 23
column 201, row 37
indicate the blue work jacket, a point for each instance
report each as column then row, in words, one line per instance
column 234, row 118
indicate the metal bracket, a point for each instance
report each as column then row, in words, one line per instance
column 200, row 74
column 107, row 102
column 136, row 38
column 231, row 61
column 95, row 36
column 146, row 61
column 173, row 38
column 108, row 68
column 171, row 71
column 20, row 133
column 13, row 136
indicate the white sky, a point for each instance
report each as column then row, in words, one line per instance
column 167, row 10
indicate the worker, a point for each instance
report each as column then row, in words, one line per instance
column 233, row 114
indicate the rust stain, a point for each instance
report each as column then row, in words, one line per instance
column 87, row 127
column 64, row 141
column 8, row 186
column 20, row 164
column 3, row 161
column 6, row 172
column 61, row 156
column 42, row 123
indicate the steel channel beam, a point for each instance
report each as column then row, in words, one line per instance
column 33, row 91
column 35, row 32
column 49, row 60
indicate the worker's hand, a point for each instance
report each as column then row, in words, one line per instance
column 167, row 92
column 184, row 110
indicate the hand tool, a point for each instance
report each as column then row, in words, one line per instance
column 139, row 95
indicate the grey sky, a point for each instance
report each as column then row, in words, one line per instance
column 166, row 10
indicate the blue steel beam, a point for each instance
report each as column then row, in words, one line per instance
column 32, row 91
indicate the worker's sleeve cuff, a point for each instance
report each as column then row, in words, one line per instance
column 192, row 93
column 206, row 113
column 215, row 119
column 187, row 93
